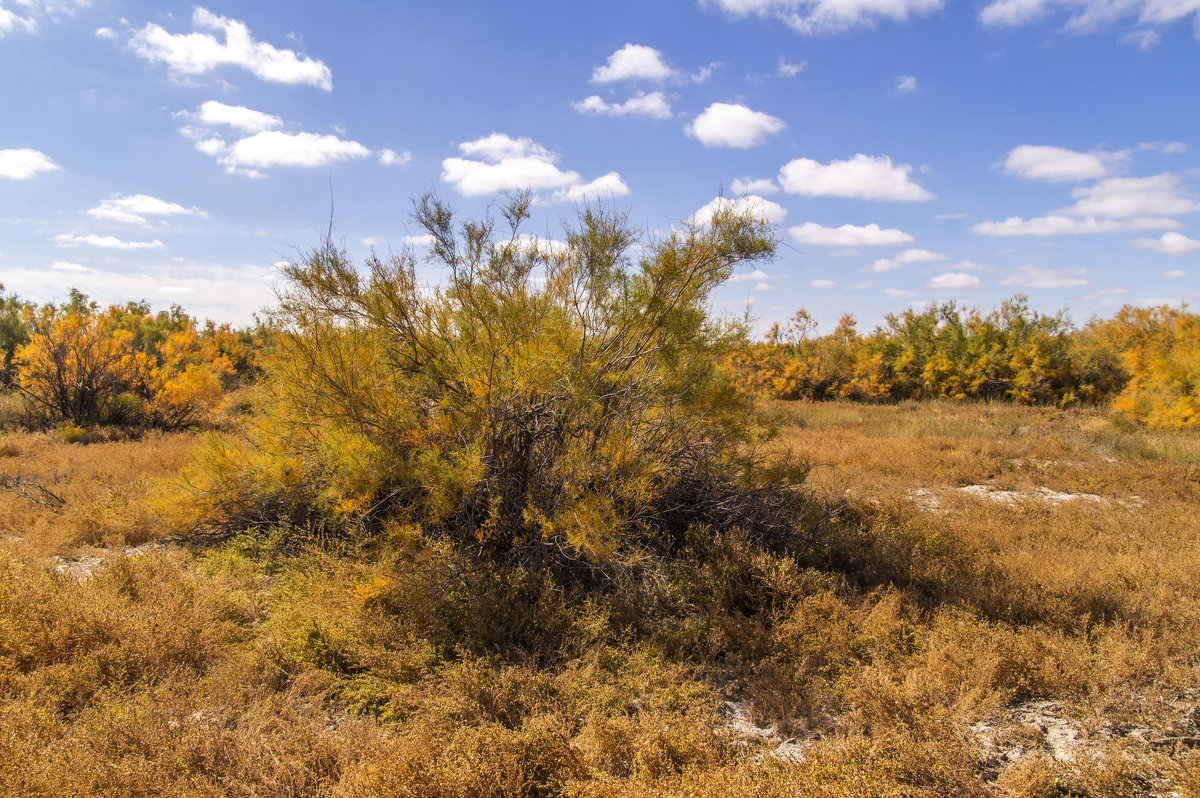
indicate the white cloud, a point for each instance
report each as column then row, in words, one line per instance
column 970, row 266
column 498, row 147
column 24, row 163
column 749, row 185
column 654, row 105
column 542, row 246
column 500, row 163
column 789, row 70
column 1033, row 277
column 134, row 208
column 953, row 280
column 1142, row 39
column 104, row 242
column 764, row 287
column 1174, row 274
column 944, row 216
column 236, row 116
column 862, row 177
column 825, row 16
column 1122, row 197
column 392, row 158
column 757, row 274
column 904, row 258
column 424, row 240
column 67, row 266
column 822, row 283
column 34, row 11
column 273, row 148
column 1086, row 15
column 213, row 146
column 897, row 292
column 732, row 125
column 634, row 62
column 1057, row 164
column 1165, row 147
column 906, row 84
column 1169, row 244
column 10, row 22
column 848, row 235
column 603, row 187
column 756, row 206
column 1066, row 225
column 197, row 53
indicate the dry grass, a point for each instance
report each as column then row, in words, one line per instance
column 974, row 647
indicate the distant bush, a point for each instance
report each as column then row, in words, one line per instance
column 123, row 365
column 546, row 403
column 1159, row 350
column 1013, row 353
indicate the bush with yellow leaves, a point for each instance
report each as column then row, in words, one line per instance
column 549, row 403
column 119, row 366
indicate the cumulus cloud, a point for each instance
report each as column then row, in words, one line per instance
column 104, row 242
column 1033, row 277
column 848, row 235
column 24, row 163
column 1067, row 225
column 238, row 117
column 827, row 16
column 904, row 258
column 953, row 280
column 1122, row 197
column 634, row 62
column 906, row 84
column 392, row 158
column 187, row 54
column 499, row 162
column 757, row 274
column 749, row 185
column 425, row 240
column 1057, row 164
column 822, row 283
column 733, row 125
column 604, row 187
column 134, row 208
column 861, row 177
column 654, row 105
column 1174, row 274
column 67, row 266
column 754, row 205
column 1169, row 244
column 273, row 148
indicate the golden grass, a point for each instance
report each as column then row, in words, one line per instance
column 969, row 648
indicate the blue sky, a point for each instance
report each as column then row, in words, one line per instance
column 910, row 150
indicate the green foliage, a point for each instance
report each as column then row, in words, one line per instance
column 546, row 403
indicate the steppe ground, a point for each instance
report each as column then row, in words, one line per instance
column 1004, row 601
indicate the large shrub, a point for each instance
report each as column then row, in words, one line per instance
column 552, row 401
